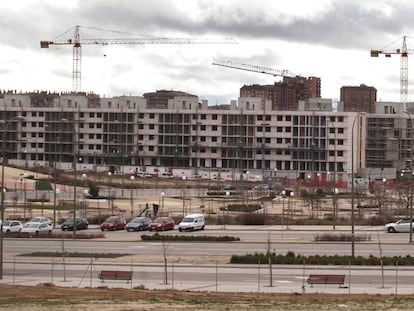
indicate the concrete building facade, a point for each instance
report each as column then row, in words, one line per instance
column 174, row 131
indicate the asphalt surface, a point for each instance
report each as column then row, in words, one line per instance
column 213, row 275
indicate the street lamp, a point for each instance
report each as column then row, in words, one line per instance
column 109, row 191
column 131, row 178
column 162, row 202
column 3, row 159
column 75, row 160
column 353, row 190
column 411, row 177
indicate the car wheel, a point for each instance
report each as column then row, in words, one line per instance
column 391, row 230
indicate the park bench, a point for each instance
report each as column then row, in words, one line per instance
column 338, row 279
column 115, row 275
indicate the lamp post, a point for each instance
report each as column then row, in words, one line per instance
column 75, row 160
column 352, row 191
column 131, row 178
column 109, row 190
column 3, row 159
column 411, row 178
column 162, row 202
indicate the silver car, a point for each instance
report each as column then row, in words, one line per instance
column 33, row 228
column 402, row 225
column 10, row 226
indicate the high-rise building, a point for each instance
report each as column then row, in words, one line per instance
column 359, row 98
column 286, row 94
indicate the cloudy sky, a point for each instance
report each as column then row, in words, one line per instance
column 330, row 39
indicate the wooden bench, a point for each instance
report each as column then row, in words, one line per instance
column 338, row 279
column 115, row 275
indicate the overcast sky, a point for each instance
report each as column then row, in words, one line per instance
column 330, row 39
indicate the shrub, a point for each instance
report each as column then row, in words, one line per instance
column 251, row 219
column 161, row 237
column 291, row 258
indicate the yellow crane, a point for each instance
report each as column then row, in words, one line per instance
column 77, row 43
column 253, row 68
column 403, row 52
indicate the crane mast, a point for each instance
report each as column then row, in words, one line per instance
column 252, row 68
column 77, row 43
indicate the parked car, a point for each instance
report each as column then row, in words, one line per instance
column 12, row 226
column 80, row 223
column 192, row 222
column 35, row 228
column 113, row 223
column 402, row 225
column 161, row 224
column 138, row 224
column 39, row 220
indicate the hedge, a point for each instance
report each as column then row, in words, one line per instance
column 161, row 237
column 291, row 258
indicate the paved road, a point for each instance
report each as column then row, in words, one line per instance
column 211, row 275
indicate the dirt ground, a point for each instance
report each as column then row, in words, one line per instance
column 49, row 297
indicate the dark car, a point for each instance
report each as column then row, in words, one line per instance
column 113, row 223
column 161, row 224
column 81, row 223
column 138, row 224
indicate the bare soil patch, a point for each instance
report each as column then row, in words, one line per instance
column 50, row 297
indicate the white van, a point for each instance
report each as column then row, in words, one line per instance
column 192, row 222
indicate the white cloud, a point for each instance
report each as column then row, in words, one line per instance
column 330, row 39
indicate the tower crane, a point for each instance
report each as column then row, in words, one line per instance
column 403, row 66
column 253, row 68
column 77, row 43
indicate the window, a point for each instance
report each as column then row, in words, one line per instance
column 279, row 140
column 202, row 127
column 279, row 118
column 81, row 114
column 151, row 126
column 213, row 150
column 279, row 129
column 151, row 115
column 91, row 136
column 203, row 117
column 340, row 130
column 151, row 148
column 91, row 125
column 33, row 124
column 340, row 141
column 214, row 117
column 214, row 139
column 33, row 135
column 98, row 136
column 214, row 127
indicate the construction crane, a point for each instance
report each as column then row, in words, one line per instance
column 253, row 68
column 77, row 43
column 403, row 66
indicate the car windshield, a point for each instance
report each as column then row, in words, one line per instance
column 32, row 225
column 36, row 219
column 112, row 219
column 160, row 220
column 138, row 219
column 188, row 219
